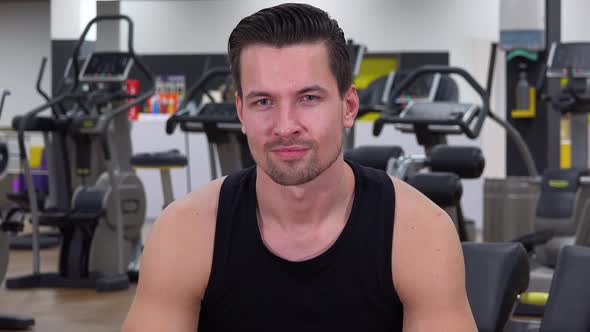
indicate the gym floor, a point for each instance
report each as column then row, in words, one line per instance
column 63, row 310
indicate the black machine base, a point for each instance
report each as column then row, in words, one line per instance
column 101, row 283
column 25, row 241
column 16, row 322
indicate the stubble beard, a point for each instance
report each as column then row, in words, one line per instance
column 300, row 171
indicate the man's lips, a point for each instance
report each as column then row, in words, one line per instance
column 289, row 148
column 290, row 152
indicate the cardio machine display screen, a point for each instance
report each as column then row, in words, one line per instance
column 569, row 56
column 106, row 67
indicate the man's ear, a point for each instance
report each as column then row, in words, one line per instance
column 240, row 109
column 351, row 106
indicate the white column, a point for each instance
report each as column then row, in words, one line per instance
column 108, row 34
column 69, row 18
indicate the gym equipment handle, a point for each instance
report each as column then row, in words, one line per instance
column 2, row 98
column 43, row 93
column 534, row 298
column 40, row 78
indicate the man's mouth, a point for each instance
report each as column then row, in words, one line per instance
column 290, row 151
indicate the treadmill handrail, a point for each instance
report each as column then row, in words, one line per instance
column 183, row 110
column 430, row 69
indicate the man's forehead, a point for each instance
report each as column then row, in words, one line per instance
column 265, row 66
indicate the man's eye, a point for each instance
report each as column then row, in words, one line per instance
column 263, row 102
column 310, row 98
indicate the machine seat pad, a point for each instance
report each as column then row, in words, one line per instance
column 165, row 159
column 38, row 123
column 466, row 161
column 444, row 189
column 374, row 156
column 495, row 274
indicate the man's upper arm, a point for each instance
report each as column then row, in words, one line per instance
column 428, row 266
column 175, row 265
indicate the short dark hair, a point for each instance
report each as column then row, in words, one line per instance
column 290, row 24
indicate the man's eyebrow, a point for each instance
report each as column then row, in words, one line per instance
column 254, row 94
column 312, row 88
column 307, row 89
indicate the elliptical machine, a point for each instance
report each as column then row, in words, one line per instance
column 102, row 231
column 8, row 322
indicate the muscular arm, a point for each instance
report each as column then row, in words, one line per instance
column 428, row 266
column 175, row 265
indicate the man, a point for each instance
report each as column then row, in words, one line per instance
column 304, row 241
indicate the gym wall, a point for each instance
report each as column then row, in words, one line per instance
column 574, row 20
column 24, row 39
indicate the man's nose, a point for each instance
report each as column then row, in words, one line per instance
column 286, row 121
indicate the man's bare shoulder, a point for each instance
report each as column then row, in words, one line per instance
column 181, row 242
column 176, row 264
column 415, row 212
column 195, row 210
column 427, row 264
column 423, row 233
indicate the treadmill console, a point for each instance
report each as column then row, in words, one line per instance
column 222, row 116
column 107, row 67
column 423, row 89
column 569, row 56
column 218, row 113
column 433, row 119
column 439, row 117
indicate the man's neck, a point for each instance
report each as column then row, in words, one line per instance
column 307, row 205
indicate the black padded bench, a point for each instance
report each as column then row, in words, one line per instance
column 164, row 161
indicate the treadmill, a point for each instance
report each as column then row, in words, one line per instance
column 228, row 146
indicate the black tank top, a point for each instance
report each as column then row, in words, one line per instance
column 349, row 287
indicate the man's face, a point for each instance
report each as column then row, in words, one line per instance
column 291, row 110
